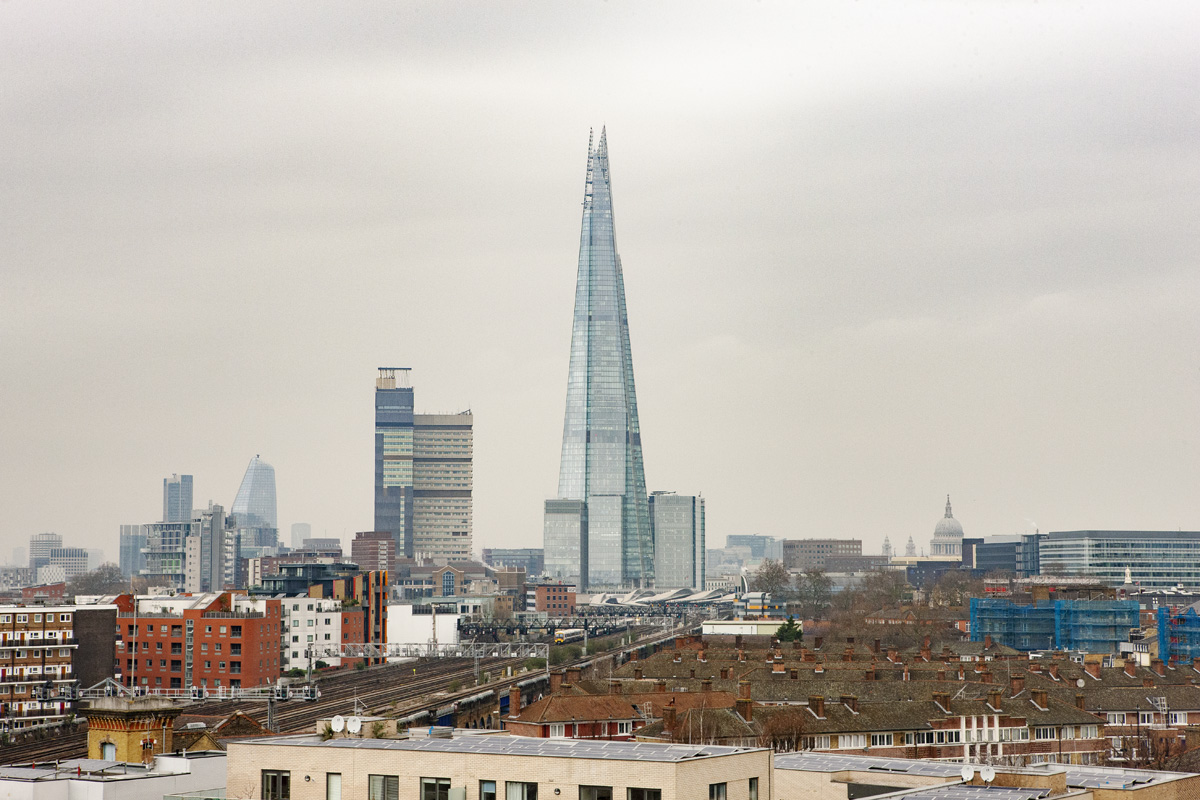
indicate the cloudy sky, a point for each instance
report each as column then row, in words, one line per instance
column 874, row 253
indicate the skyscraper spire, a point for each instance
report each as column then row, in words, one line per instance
column 603, row 538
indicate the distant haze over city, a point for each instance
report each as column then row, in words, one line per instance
column 873, row 255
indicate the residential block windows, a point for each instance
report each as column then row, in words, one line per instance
column 644, row 794
column 435, row 789
column 517, row 790
column 595, row 793
column 382, row 787
column 487, row 790
column 716, row 791
column 276, row 785
column 333, row 786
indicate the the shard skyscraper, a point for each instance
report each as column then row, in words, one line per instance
column 597, row 531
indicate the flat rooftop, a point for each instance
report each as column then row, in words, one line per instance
column 518, row 746
column 1077, row 776
column 94, row 769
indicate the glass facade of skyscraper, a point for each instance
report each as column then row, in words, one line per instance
column 678, row 523
column 254, row 506
column 394, row 457
column 177, row 498
column 602, row 449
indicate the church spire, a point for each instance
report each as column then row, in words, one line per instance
column 948, row 514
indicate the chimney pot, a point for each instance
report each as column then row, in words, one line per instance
column 637, row 673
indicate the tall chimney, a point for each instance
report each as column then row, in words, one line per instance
column 669, row 717
column 816, row 704
column 744, row 706
column 556, row 680
column 987, row 641
column 514, row 701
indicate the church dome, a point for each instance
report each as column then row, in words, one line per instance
column 947, row 535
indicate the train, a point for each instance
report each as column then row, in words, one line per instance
column 568, row 635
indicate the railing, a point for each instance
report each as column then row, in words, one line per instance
column 27, row 643
column 233, row 615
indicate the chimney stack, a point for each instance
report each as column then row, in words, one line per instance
column 1039, row 698
column 669, row 717
column 1158, row 666
column 848, row 654
column 743, row 706
column 1079, row 702
column 987, row 641
column 744, row 689
column 514, row 701
column 816, row 704
column 850, row 702
column 994, row 696
column 1054, row 671
column 795, row 674
column 706, row 685
column 943, row 700
column 818, row 642
column 1131, row 668
column 556, row 681
column 614, row 687
column 1092, row 668
column 1147, row 683
column 637, row 673
column 660, row 686
column 574, row 674
column 1017, row 684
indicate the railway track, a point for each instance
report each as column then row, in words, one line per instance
column 384, row 688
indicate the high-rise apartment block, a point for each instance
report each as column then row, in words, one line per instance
column 40, row 545
column 177, row 498
column 423, row 473
column 678, row 524
column 166, row 553
column 599, row 523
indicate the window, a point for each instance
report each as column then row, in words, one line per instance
column 108, row 751
column 276, row 785
column 852, row 741
column 1174, row 718
column 1089, row 731
column 1116, row 717
column 557, row 730
column 624, row 728
column 716, row 791
column 487, row 790
column 754, row 789
column 881, row 740
column 516, row 790
column 595, row 793
column 382, row 787
column 1146, row 717
column 1043, row 733
column 435, row 789
column 37, row 617
column 333, row 786
column 235, row 649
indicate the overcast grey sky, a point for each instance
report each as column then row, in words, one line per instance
column 874, row 253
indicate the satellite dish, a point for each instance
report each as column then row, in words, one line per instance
column 988, row 774
column 1081, row 683
column 354, row 724
column 338, row 723
column 968, row 772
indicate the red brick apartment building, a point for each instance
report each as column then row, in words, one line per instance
column 556, row 599
column 211, row 641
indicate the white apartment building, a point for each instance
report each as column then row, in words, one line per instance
column 309, row 620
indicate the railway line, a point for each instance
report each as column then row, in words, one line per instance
column 383, row 690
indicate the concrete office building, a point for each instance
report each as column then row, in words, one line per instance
column 40, row 545
column 601, row 468
column 177, row 498
column 678, row 525
column 423, row 473
column 73, row 560
column 812, row 553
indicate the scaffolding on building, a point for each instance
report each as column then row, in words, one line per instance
column 1094, row 626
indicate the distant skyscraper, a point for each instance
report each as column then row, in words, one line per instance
column 423, row 473
column 373, row 550
column 254, row 506
column 177, row 498
column 133, row 539
column 40, row 545
column 394, row 456
column 678, row 524
column 300, row 532
column 73, row 560
column 443, row 447
column 601, row 469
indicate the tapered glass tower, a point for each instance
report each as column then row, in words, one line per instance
column 254, row 505
column 597, row 531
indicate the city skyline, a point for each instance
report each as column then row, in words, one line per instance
column 882, row 255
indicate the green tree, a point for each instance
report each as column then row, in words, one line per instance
column 788, row 631
column 772, row 577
